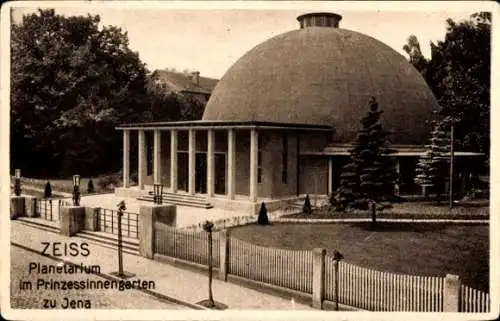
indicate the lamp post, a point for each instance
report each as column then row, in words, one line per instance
column 17, row 182
column 76, row 190
column 121, row 273
column 158, row 193
column 337, row 257
column 451, row 162
column 121, row 208
column 208, row 227
column 452, row 120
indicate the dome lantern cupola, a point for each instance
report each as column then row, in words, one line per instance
column 319, row 19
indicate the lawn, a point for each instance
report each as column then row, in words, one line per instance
column 416, row 249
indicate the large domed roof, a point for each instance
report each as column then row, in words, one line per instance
column 325, row 76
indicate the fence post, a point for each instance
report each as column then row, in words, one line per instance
column 17, row 207
column 71, row 220
column 224, row 254
column 92, row 218
column 318, row 284
column 148, row 216
column 31, row 207
column 451, row 300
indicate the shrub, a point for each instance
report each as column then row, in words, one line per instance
column 90, row 187
column 47, row 193
column 134, row 178
column 106, row 182
column 263, row 219
column 307, row 209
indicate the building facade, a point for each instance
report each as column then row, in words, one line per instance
column 279, row 123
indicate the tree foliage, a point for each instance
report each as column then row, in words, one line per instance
column 370, row 175
column 432, row 167
column 459, row 75
column 73, row 82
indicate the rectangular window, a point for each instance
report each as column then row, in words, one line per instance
column 259, row 159
column 284, row 169
column 148, row 135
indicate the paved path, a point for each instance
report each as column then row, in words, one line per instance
column 186, row 216
column 180, row 284
column 104, row 298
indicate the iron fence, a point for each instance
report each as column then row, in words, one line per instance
column 44, row 209
column 108, row 222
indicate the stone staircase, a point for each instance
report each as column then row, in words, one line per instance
column 130, row 245
column 180, row 199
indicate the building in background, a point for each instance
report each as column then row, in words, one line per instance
column 191, row 83
column 279, row 123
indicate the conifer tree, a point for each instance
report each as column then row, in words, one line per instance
column 432, row 169
column 47, row 193
column 370, row 176
column 307, row 208
column 263, row 219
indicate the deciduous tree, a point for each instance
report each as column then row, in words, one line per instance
column 459, row 75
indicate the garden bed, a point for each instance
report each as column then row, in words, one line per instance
column 407, row 210
column 102, row 184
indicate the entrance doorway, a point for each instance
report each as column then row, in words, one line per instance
column 201, row 173
column 220, row 173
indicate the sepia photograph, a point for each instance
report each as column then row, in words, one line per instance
column 203, row 158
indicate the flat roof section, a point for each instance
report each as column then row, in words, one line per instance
column 207, row 124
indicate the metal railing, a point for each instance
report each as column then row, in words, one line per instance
column 44, row 209
column 108, row 222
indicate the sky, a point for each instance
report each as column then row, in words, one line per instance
column 211, row 38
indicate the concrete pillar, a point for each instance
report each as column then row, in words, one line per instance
column 149, row 215
column 141, row 171
column 17, row 207
column 451, row 302
column 192, row 161
column 173, row 161
column 330, row 174
column 91, row 222
column 126, row 158
column 254, row 139
column 318, row 285
column 231, row 163
column 396, row 186
column 157, row 157
column 72, row 220
column 30, row 204
column 210, row 163
column 224, row 254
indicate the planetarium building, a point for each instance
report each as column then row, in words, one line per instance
column 280, row 122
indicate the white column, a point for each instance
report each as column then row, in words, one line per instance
column 192, row 161
column 254, row 138
column 126, row 158
column 330, row 173
column 231, row 162
column 157, row 157
column 396, row 187
column 210, row 163
column 141, row 171
column 173, row 161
